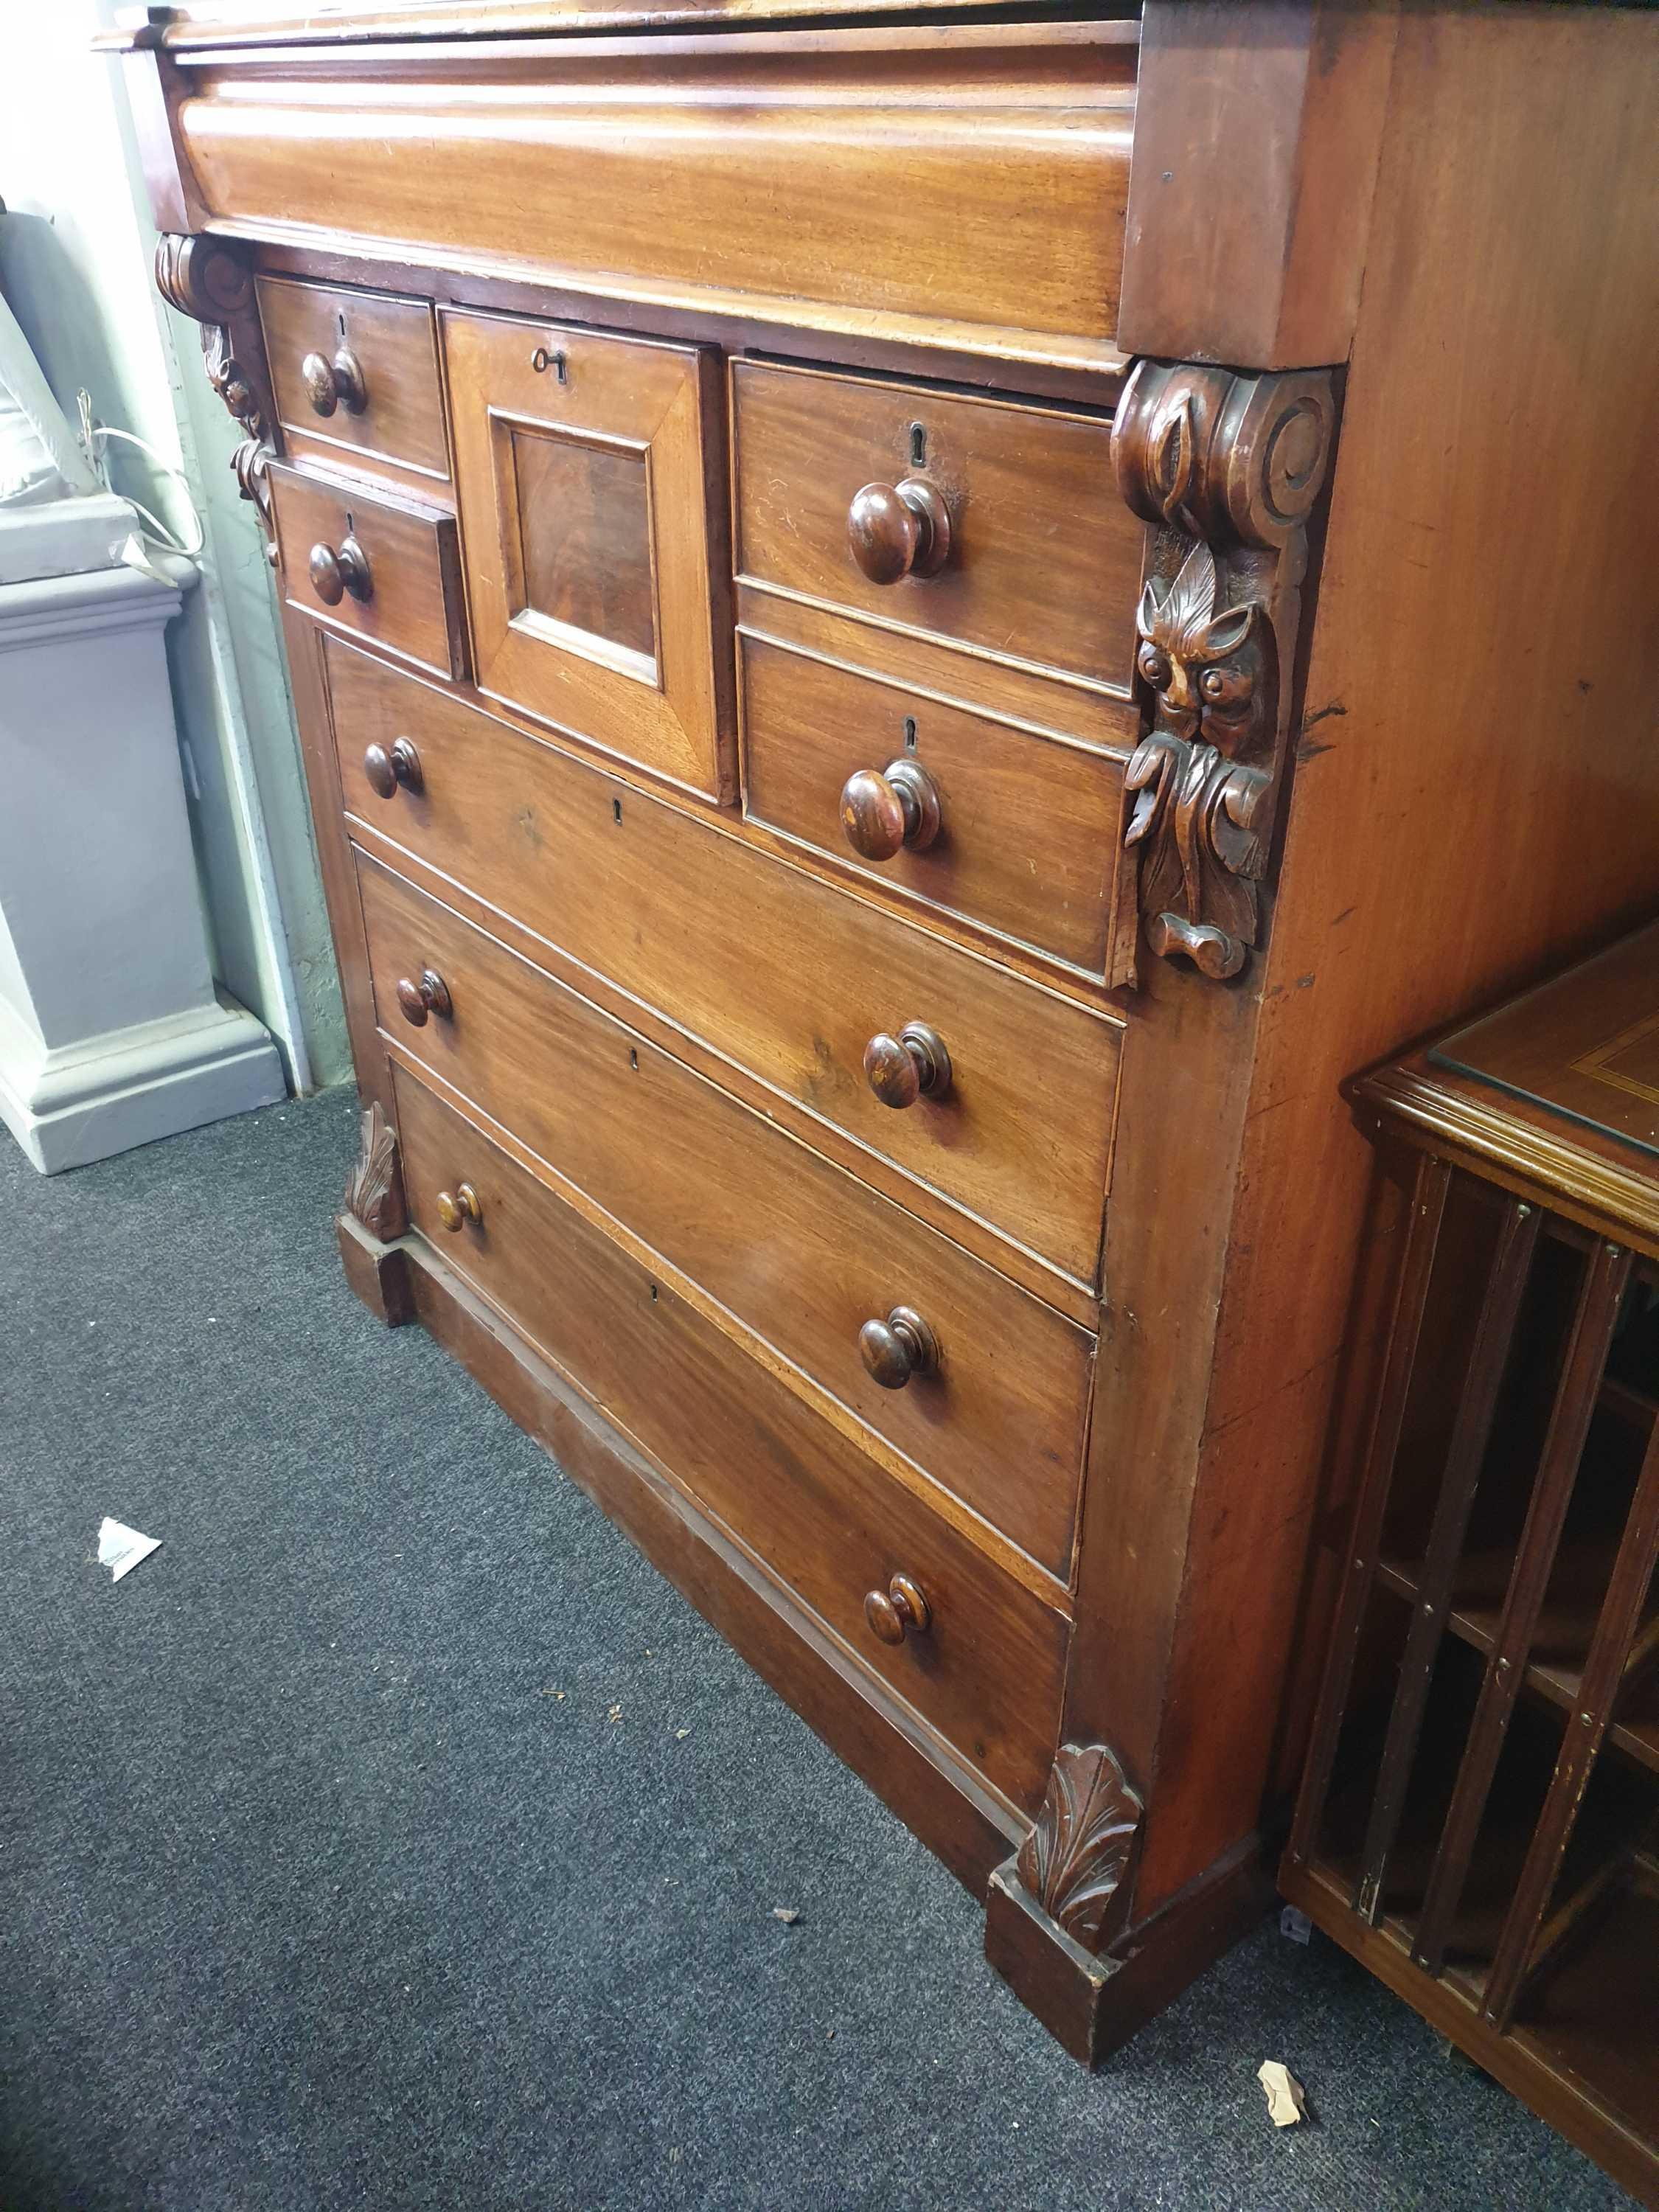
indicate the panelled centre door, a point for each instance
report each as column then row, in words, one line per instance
column 583, row 475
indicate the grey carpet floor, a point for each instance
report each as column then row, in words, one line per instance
column 396, row 1838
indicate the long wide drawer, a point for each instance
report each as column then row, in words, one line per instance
column 772, row 968
column 988, row 1670
column 968, row 190
column 803, row 1254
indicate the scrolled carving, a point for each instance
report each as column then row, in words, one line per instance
column 1076, row 1861
column 210, row 281
column 1226, row 469
column 375, row 1192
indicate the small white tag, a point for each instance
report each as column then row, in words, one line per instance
column 121, row 1549
column 1295, row 1924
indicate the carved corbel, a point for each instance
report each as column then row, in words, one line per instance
column 210, row 280
column 375, row 1194
column 1225, row 468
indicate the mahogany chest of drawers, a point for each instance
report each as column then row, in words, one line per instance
column 912, row 632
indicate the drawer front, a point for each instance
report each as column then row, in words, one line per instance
column 355, row 372
column 967, row 189
column 989, row 1671
column 1039, row 560
column 799, row 1251
column 783, row 974
column 1017, row 832
column 584, row 484
column 382, row 569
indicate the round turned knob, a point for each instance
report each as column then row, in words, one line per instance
column 337, row 383
column 882, row 814
column 429, row 996
column 333, row 574
column 899, row 530
column 912, row 1064
column 899, row 1608
column 895, row 1349
column 458, row 1206
column 385, row 769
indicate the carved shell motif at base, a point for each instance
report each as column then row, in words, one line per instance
column 1226, row 469
column 1076, row 1861
column 375, row 1192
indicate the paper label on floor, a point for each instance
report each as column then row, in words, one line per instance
column 121, row 1549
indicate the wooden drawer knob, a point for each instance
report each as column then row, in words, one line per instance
column 337, row 383
column 385, row 769
column 895, row 1349
column 883, row 814
column 892, row 1613
column 429, row 996
column 899, row 530
column 912, row 1064
column 333, row 574
column 458, row 1206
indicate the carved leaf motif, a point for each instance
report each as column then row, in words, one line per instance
column 1154, row 766
column 374, row 1193
column 1226, row 468
column 1190, row 602
column 1075, row 1859
column 1177, row 454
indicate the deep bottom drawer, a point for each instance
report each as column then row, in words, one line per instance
column 988, row 1671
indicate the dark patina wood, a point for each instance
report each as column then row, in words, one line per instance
column 1006, row 767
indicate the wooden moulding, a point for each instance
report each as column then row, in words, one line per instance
column 232, row 23
column 966, row 192
column 939, row 1796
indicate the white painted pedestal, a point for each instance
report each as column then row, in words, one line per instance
column 111, row 1033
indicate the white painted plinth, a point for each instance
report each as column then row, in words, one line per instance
column 111, row 1033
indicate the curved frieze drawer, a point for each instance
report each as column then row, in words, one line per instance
column 966, row 190
column 970, row 1377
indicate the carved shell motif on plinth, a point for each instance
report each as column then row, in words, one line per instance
column 1076, row 1861
column 375, row 1192
column 1226, row 469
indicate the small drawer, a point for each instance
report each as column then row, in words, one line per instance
column 1018, row 832
column 356, row 374
column 987, row 1669
column 987, row 523
column 385, row 570
column 975, row 1380
column 790, row 977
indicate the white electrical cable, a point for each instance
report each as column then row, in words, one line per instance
column 97, row 434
